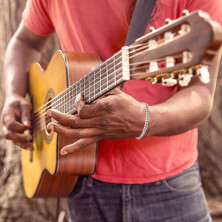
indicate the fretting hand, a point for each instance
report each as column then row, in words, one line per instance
column 115, row 116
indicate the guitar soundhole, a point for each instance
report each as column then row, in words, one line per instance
column 48, row 134
column 47, row 118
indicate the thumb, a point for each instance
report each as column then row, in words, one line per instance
column 25, row 109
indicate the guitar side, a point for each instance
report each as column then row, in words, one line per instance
column 45, row 172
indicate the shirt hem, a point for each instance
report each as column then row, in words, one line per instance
column 141, row 180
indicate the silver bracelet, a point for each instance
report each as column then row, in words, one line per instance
column 146, row 122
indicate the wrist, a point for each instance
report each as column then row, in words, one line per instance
column 146, row 123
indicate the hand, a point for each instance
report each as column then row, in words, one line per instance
column 115, row 116
column 16, row 119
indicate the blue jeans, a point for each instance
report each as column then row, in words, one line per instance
column 176, row 199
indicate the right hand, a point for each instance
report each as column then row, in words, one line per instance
column 16, row 120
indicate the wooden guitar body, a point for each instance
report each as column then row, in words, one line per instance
column 45, row 172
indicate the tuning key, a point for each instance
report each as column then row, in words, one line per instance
column 185, row 12
column 151, row 29
column 203, row 74
column 184, row 79
column 169, row 82
column 167, row 21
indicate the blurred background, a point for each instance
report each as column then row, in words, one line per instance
column 16, row 207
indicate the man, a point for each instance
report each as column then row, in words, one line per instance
column 155, row 178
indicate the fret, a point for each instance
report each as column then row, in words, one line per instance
column 86, row 91
column 103, row 78
column 97, row 83
column 91, row 86
column 110, row 72
column 94, row 83
column 72, row 97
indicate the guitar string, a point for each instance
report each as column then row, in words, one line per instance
column 71, row 111
column 64, row 103
column 136, row 47
column 64, row 106
column 117, row 54
column 64, row 92
column 57, row 104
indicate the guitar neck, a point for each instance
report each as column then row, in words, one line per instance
column 96, row 83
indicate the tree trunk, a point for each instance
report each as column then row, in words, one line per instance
column 15, row 206
column 210, row 153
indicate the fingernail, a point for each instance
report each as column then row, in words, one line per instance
column 63, row 152
column 29, row 138
column 49, row 112
column 50, row 126
column 78, row 97
column 30, row 148
column 27, row 123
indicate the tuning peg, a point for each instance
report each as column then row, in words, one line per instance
column 151, row 29
column 167, row 21
column 187, row 56
column 185, row 28
column 152, row 44
column 169, row 82
column 168, row 36
column 170, row 62
column 185, row 12
column 184, row 79
column 203, row 74
column 153, row 66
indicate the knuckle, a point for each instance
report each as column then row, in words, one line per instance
column 80, row 135
column 83, row 145
column 108, row 105
column 11, row 125
column 104, row 123
column 73, row 122
column 83, row 112
column 8, row 135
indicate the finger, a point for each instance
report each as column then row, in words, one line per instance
column 8, row 116
column 10, row 122
column 17, row 137
column 75, row 133
column 79, row 144
column 79, row 102
column 26, row 146
column 95, row 109
column 74, row 121
column 25, row 114
column 63, row 118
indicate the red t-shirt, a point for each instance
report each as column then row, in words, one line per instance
column 101, row 27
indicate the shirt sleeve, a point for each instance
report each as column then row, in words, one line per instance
column 213, row 8
column 36, row 17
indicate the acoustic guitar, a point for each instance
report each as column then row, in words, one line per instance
column 169, row 55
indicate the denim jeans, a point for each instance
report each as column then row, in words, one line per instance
column 176, row 199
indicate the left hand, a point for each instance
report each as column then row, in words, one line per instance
column 115, row 116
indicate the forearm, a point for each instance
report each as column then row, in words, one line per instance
column 183, row 111
column 23, row 49
column 18, row 58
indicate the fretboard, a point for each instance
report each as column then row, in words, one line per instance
column 96, row 83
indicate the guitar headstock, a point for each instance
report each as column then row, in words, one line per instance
column 177, row 51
